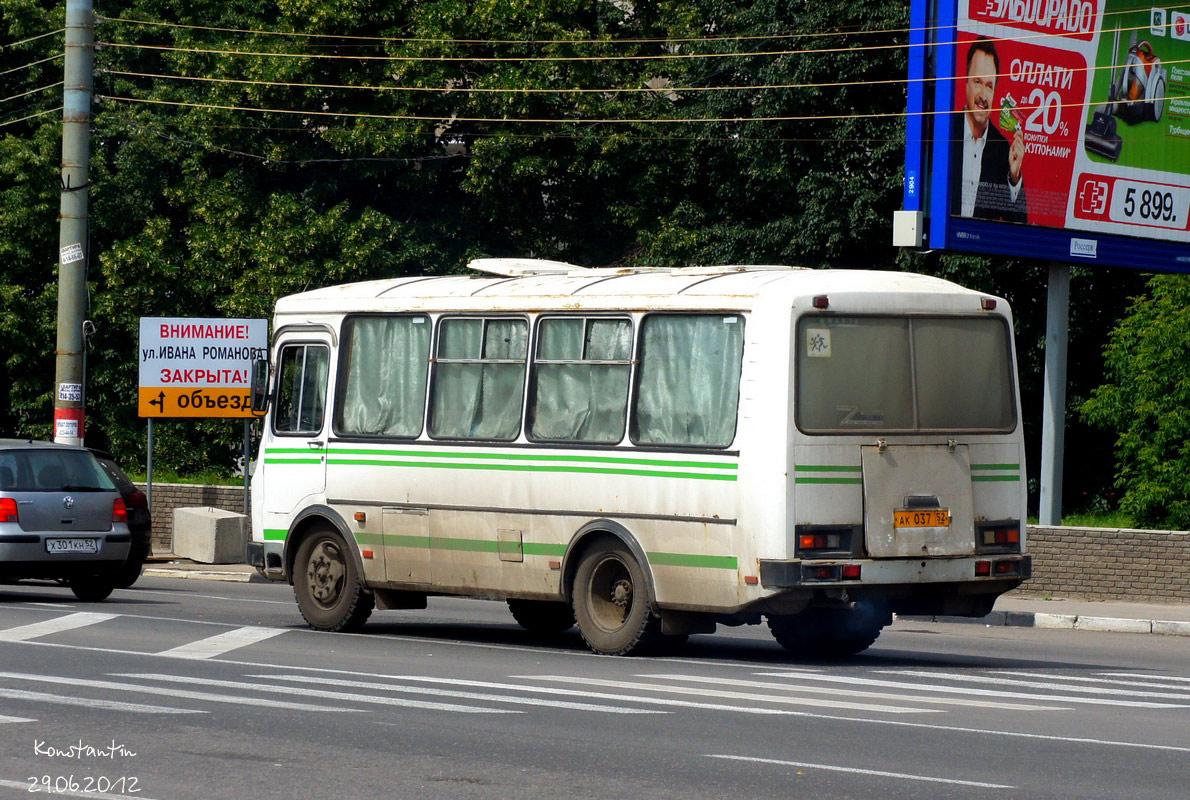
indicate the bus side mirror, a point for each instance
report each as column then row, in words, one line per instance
column 260, row 386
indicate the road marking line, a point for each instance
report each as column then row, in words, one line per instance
column 859, row 771
column 96, row 795
column 222, row 643
column 106, row 705
column 764, row 698
column 938, row 687
column 4, row 719
column 214, row 698
column 1146, row 677
column 341, row 696
column 499, row 698
column 187, row 595
column 81, row 619
column 916, row 673
column 950, row 701
column 56, row 606
column 1102, row 681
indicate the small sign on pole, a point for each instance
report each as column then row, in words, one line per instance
column 193, row 367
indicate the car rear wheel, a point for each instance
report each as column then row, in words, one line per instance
column 91, row 588
column 130, row 570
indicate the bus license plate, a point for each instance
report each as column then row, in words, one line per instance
column 72, row 545
column 922, row 518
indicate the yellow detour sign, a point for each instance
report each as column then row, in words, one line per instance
column 198, row 367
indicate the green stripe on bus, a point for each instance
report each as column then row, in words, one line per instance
column 543, row 549
column 808, row 468
column 275, row 534
column 691, row 560
column 478, row 456
column 268, row 460
column 530, row 468
column 996, row 466
column 986, row 478
column 829, row 480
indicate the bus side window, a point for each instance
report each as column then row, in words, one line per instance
column 579, row 391
column 301, row 389
column 479, row 378
column 689, row 387
column 384, row 376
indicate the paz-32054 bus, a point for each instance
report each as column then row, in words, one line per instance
column 646, row 452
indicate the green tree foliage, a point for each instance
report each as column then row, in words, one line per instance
column 1146, row 403
column 231, row 167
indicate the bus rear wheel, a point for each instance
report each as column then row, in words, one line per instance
column 327, row 585
column 824, row 633
column 541, row 617
column 611, row 602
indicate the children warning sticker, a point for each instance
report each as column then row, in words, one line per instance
column 818, row 342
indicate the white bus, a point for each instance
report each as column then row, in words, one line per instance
column 648, row 452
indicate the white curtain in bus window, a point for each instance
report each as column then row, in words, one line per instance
column 385, row 391
column 581, row 374
column 479, row 379
column 964, row 374
column 689, row 384
column 853, row 374
column 301, row 389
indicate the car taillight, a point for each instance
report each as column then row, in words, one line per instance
column 137, row 499
column 8, row 510
column 119, row 510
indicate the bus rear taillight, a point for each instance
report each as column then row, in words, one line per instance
column 851, row 572
column 999, row 537
column 825, row 541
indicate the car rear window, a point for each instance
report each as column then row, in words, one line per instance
column 52, row 471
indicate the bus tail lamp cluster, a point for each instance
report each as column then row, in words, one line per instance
column 817, row 541
column 999, row 537
column 831, row 572
column 1008, row 566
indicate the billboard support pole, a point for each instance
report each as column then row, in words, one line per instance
column 1053, row 417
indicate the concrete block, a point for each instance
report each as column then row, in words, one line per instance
column 1059, row 621
column 1171, row 627
column 1114, row 625
column 210, row 535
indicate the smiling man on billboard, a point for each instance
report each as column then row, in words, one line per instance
column 993, row 185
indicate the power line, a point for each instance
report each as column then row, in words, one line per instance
column 581, row 121
column 31, row 116
column 32, row 39
column 31, row 91
column 33, row 64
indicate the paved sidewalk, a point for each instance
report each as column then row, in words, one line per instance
column 1011, row 609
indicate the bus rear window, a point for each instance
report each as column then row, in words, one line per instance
column 858, row 374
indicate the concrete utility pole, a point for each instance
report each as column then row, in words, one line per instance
column 70, row 369
column 1053, row 417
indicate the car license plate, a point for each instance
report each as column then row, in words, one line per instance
column 72, row 545
column 921, row 518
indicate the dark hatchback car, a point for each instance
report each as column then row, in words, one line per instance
column 140, row 523
column 61, row 517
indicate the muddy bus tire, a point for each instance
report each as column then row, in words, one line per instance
column 541, row 617
column 826, row 633
column 611, row 602
column 327, row 584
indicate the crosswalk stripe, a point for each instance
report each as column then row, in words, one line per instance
column 1145, row 677
column 921, row 673
column 103, row 705
column 4, row 719
column 861, row 771
column 938, row 687
column 222, row 643
column 340, row 696
column 917, row 698
column 92, row 795
column 500, row 698
column 179, row 693
column 766, row 698
column 1079, row 679
column 81, row 619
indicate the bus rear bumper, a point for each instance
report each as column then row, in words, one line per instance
column 843, row 573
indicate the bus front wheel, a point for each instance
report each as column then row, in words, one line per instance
column 611, row 602
column 327, row 585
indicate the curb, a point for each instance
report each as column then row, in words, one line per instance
column 205, row 575
column 1075, row 622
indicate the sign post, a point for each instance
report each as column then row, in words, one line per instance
column 199, row 368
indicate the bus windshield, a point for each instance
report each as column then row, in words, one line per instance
column 904, row 374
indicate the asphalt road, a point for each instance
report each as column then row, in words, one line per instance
column 180, row 689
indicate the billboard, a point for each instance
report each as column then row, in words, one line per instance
column 1057, row 129
column 192, row 367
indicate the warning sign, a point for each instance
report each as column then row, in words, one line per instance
column 198, row 367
